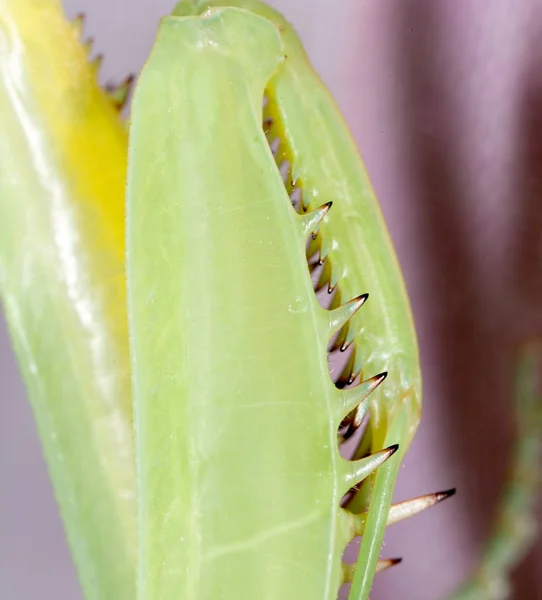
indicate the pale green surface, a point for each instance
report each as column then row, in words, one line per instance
column 61, row 265
column 62, row 171
column 236, row 415
column 328, row 168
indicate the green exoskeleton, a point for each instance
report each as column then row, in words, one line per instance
column 240, row 170
column 232, row 391
column 62, row 172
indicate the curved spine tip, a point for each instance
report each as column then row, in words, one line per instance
column 355, row 398
column 309, row 221
column 401, row 511
column 119, row 94
column 344, row 346
column 325, row 276
column 338, row 317
column 357, row 470
column 88, row 44
column 349, row 570
column 79, row 23
column 386, row 563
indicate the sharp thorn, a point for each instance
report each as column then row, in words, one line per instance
column 310, row 220
column 338, row 317
column 352, row 378
column 88, row 44
column 334, row 282
column 323, row 249
column 344, row 346
column 350, row 431
column 345, row 340
column 337, row 342
column 409, row 508
column 402, row 510
column 386, row 563
column 119, row 94
column 357, row 470
column 356, row 398
column 79, row 23
column 325, row 276
column 97, row 62
column 358, row 417
column 354, row 422
column 349, row 570
column 346, row 374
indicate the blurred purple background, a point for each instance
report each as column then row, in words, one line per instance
column 445, row 101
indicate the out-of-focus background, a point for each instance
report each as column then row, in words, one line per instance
column 445, row 101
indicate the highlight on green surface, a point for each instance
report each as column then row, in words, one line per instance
column 255, row 248
column 62, row 173
column 228, row 340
